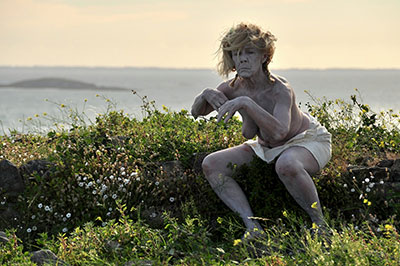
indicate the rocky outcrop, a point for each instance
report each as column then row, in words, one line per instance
column 387, row 171
column 11, row 182
column 46, row 257
column 36, row 167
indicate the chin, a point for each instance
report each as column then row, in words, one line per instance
column 244, row 74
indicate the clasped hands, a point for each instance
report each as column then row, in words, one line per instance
column 223, row 105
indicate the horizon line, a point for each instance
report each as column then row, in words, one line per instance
column 188, row 68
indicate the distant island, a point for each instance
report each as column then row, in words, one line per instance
column 58, row 83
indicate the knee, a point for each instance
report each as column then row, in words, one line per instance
column 288, row 168
column 211, row 165
column 208, row 165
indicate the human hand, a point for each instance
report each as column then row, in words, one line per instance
column 215, row 98
column 230, row 108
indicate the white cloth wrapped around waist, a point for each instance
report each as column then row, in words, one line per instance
column 315, row 139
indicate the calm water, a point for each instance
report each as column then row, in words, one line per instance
column 175, row 88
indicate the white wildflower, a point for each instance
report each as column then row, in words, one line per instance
column 34, row 228
column 367, row 180
column 114, row 196
column 352, row 190
column 29, row 230
column 47, row 208
column 40, row 205
column 368, row 189
column 65, row 229
column 344, row 185
column 68, row 215
column 157, row 183
column 171, row 199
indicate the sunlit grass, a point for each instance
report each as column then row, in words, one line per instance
column 108, row 199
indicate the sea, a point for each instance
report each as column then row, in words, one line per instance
column 26, row 109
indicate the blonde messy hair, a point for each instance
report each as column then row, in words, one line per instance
column 238, row 37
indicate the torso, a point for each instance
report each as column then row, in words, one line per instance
column 268, row 99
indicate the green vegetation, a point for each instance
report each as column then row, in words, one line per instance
column 109, row 197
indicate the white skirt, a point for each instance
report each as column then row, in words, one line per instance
column 315, row 139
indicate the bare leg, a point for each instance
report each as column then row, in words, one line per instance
column 294, row 168
column 218, row 174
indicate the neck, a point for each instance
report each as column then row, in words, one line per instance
column 258, row 81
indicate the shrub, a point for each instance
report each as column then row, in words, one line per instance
column 122, row 158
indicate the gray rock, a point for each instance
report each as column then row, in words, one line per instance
column 10, row 215
column 46, row 256
column 395, row 170
column 385, row 163
column 3, row 237
column 39, row 167
column 11, row 181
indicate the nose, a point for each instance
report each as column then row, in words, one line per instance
column 242, row 58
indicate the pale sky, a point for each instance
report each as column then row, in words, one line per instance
column 186, row 33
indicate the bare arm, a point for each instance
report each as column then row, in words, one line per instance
column 208, row 100
column 272, row 126
column 276, row 126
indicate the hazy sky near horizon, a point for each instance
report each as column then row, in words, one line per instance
column 186, row 33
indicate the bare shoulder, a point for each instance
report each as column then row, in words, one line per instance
column 283, row 90
column 225, row 87
column 282, row 85
column 280, row 79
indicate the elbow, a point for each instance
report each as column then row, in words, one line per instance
column 194, row 113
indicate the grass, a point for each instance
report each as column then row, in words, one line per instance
column 108, row 200
column 190, row 243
